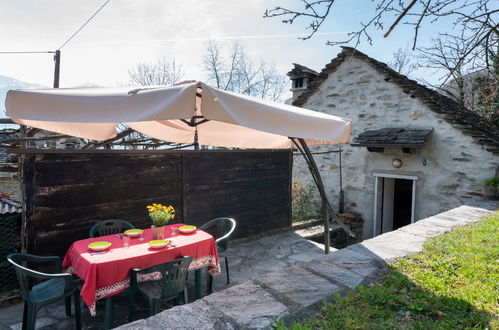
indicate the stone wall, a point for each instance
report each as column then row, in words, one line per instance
column 455, row 164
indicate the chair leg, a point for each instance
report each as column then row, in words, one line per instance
column 227, row 269
column 25, row 316
column 198, row 286
column 186, row 296
column 67, row 302
column 210, row 284
column 108, row 313
column 77, row 310
column 131, row 307
column 31, row 317
column 154, row 306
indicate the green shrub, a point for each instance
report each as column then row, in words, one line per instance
column 491, row 182
column 304, row 205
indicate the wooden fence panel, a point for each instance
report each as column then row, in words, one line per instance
column 253, row 188
column 64, row 193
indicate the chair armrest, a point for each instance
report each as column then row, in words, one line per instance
column 68, row 278
column 43, row 276
column 54, row 260
column 225, row 237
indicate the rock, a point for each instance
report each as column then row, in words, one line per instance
column 247, row 305
column 424, row 229
column 391, row 246
column 181, row 317
column 335, row 273
column 301, row 290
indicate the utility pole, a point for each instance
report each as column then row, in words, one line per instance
column 57, row 67
column 57, row 62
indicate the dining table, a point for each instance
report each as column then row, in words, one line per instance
column 106, row 273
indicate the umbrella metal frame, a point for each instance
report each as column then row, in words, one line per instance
column 327, row 209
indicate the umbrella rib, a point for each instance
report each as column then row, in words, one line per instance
column 193, row 122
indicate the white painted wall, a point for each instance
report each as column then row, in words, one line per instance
column 455, row 163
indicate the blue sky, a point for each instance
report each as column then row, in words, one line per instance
column 130, row 31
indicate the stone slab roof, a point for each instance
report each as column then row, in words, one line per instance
column 301, row 69
column 470, row 123
column 393, row 137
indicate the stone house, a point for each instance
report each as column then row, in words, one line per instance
column 414, row 153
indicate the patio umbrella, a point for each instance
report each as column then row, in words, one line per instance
column 175, row 114
column 193, row 112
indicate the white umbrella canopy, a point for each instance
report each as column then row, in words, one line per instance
column 175, row 114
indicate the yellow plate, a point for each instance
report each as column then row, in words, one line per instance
column 158, row 244
column 133, row 232
column 186, row 229
column 99, row 246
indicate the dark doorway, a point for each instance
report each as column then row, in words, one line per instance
column 402, row 203
column 394, row 203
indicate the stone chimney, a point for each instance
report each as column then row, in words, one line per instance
column 301, row 77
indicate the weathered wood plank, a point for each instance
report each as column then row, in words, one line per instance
column 253, row 189
column 133, row 210
column 91, row 194
column 66, row 193
column 105, row 169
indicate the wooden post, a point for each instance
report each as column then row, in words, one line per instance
column 57, row 66
column 57, row 62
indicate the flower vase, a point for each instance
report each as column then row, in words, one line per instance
column 158, row 232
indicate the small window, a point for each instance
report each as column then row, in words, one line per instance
column 298, row 83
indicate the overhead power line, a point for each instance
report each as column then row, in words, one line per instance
column 31, row 52
column 84, row 24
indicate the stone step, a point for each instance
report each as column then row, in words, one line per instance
column 316, row 231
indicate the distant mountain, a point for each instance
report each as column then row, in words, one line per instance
column 7, row 83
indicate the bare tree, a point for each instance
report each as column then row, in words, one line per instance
column 486, row 86
column 403, row 62
column 458, row 76
column 475, row 20
column 446, row 54
column 236, row 71
column 162, row 72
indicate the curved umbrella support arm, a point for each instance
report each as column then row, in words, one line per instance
column 302, row 147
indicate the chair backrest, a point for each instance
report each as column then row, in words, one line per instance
column 172, row 276
column 221, row 229
column 109, row 227
column 28, row 276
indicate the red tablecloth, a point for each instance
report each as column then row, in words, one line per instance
column 108, row 274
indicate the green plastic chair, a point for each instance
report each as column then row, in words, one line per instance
column 220, row 229
column 109, row 227
column 104, row 228
column 53, row 287
column 160, row 282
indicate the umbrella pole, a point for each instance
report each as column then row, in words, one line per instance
column 326, row 205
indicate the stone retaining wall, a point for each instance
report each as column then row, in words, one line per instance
column 299, row 291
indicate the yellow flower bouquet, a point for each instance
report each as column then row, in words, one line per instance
column 160, row 214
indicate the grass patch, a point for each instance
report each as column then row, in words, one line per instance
column 452, row 284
